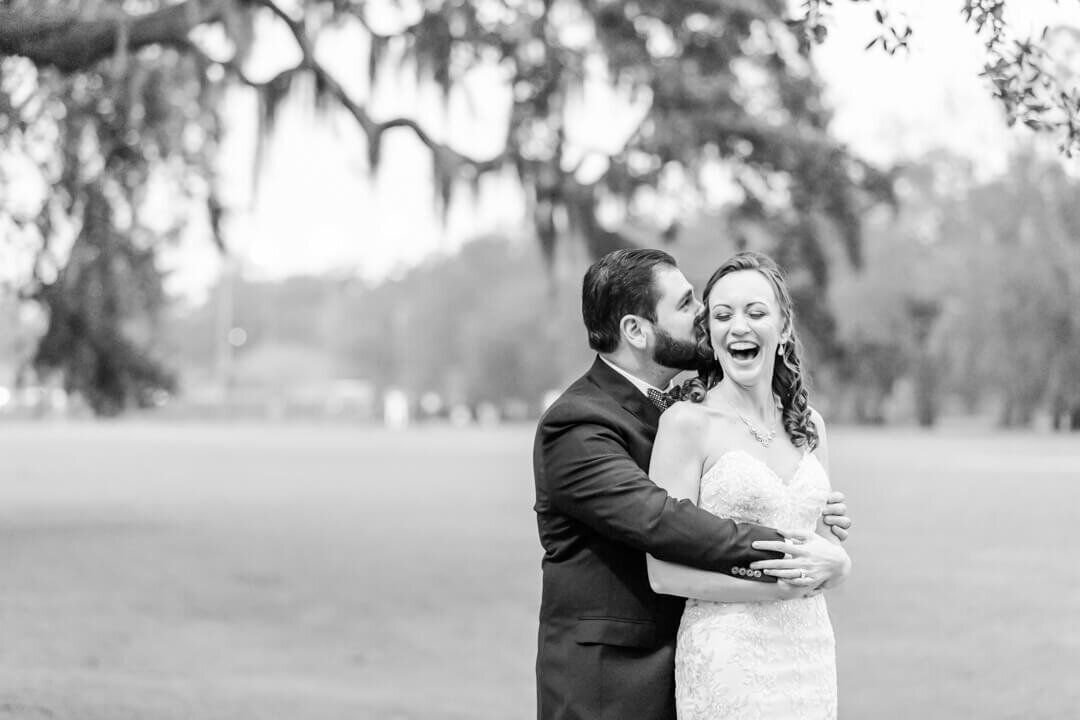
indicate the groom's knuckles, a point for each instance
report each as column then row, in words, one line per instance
column 777, row 546
column 774, row 545
column 785, row 564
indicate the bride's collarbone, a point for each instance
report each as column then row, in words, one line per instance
column 782, row 458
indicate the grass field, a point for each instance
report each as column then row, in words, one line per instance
column 157, row 571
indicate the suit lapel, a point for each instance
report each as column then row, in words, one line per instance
column 624, row 392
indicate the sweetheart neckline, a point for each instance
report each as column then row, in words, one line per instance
column 762, row 463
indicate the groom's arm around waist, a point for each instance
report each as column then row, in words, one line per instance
column 584, row 471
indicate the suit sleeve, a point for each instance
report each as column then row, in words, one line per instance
column 589, row 476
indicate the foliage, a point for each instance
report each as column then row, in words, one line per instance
column 480, row 325
column 970, row 292
column 110, row 99
column 109, row 145
column 1029, row 75
column 966, row 302
column 1017, row 290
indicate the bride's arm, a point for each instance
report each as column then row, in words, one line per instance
column 677, row 461
column 670, row 579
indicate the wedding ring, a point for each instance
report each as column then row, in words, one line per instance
column 802, row 574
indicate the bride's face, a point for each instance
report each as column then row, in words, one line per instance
column 746, row 325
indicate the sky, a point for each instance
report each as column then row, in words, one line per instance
column 316, row 208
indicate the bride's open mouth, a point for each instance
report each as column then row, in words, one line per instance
column 743, row 350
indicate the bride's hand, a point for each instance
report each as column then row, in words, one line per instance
column 810, row 560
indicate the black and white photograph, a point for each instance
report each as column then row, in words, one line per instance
column 539, row 359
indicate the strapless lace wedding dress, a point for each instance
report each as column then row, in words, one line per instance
column 757, row 661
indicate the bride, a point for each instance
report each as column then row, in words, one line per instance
column 747, row 446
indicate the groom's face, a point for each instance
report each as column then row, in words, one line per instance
column 675, row 337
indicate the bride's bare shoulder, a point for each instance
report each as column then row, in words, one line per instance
column 696, row 418
column 685, row 416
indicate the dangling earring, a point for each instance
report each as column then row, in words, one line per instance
column 780, row 349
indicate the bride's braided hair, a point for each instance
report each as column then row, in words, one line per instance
column 787, row 382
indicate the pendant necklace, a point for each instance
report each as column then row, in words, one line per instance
column 763, row 438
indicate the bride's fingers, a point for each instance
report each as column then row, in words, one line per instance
column 838, row 510
column 802, row 581
column 785, row 574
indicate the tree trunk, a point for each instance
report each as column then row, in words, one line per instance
column 1058, row 410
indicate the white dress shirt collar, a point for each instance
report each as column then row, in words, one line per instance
column 637, row 382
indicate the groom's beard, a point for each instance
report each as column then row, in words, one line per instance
column 676, row 354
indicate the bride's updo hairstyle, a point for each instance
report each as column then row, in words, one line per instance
column 787, row 381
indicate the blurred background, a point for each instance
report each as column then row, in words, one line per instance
column 284, row 287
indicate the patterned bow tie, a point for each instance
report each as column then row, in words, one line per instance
column 664, row 400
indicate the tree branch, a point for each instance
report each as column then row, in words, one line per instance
column 71, row 42
column 372, row 128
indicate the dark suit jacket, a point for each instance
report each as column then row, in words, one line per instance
column 607, row 641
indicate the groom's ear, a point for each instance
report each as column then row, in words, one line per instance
column 632, row 328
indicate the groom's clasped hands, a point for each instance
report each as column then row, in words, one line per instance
column 811, row 562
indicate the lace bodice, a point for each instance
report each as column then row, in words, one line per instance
column 758, row 661
column 743, row 488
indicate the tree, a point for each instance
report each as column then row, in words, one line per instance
column 887, row 312
column 108, row 95
column 969, row 293
column 104, row 140
column 1015, row 266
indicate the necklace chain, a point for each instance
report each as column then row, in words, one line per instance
column 763, row 438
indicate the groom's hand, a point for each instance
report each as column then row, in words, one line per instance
column 810, row 560
column 835, row 515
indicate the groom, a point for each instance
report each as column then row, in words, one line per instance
column 606, row 641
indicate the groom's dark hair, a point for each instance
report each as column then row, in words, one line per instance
column 620, row 283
